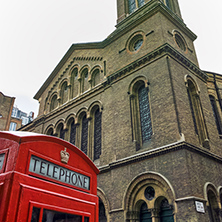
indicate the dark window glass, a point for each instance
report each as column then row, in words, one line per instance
column 166, row 211
column 73, row 133
column 54, row 216
column 213, row 208
column 180, row 42
column 64, row 92
column 215, row 112
column 221, row 199
column 192, row 111
column 75, row 73
column 54, row 103
column 62, row 133
column 35, row 214
column 149, row 193
column 145, row 215
column 97, row 134
column 102, row 212
column 84, row 136
column 50, row 132
column 86, row 219
column 168, row 3
column 84, row 80
column 74, row 83
column 95, row 78
column 132, row 5
column 145, row 118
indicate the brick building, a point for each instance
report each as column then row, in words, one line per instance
column 12, row 118
column 140, row 107
column 6, row 106
column 19, row 118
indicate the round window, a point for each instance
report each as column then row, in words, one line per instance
column 135, row 43
column 180, row 42
column 149, row 193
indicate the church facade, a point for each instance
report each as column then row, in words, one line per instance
column 140, row 107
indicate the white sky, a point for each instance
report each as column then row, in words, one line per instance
column 35, row 35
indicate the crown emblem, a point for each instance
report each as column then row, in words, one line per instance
column 64, row 156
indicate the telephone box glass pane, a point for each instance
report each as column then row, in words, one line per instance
column 55, row 216
column 2, row 157
column 35, row 214
column 86, row 219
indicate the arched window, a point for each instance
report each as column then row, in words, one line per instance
column 95, row 77
column 84, row 134
column 74, row 83
column 84, row 80
column 64, row 93
column 49, row 132
column 213, row 208
column 102, row 212
column 54, row 103
column 145, row 215
column 145, row 118
column 72, row 131
column 197, row 113
column 140, row 113
column 216, row 114
column 61, row 131
column 146, row 199
column 97, row 133
column 166, row 212
column 134, row 4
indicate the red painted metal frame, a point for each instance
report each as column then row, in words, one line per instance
column 20, row 189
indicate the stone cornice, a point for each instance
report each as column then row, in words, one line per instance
column 190, row 198
column 160, row 151
column 218, row 76
column 166, row 49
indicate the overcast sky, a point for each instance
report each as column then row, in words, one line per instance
column 35, row 35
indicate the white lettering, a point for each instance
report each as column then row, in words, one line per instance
column 58, row 173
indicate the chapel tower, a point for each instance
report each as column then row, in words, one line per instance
column 125, row 7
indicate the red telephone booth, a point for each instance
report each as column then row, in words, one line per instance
column 45, row 179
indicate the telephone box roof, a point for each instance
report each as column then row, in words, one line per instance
column 23, row 137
